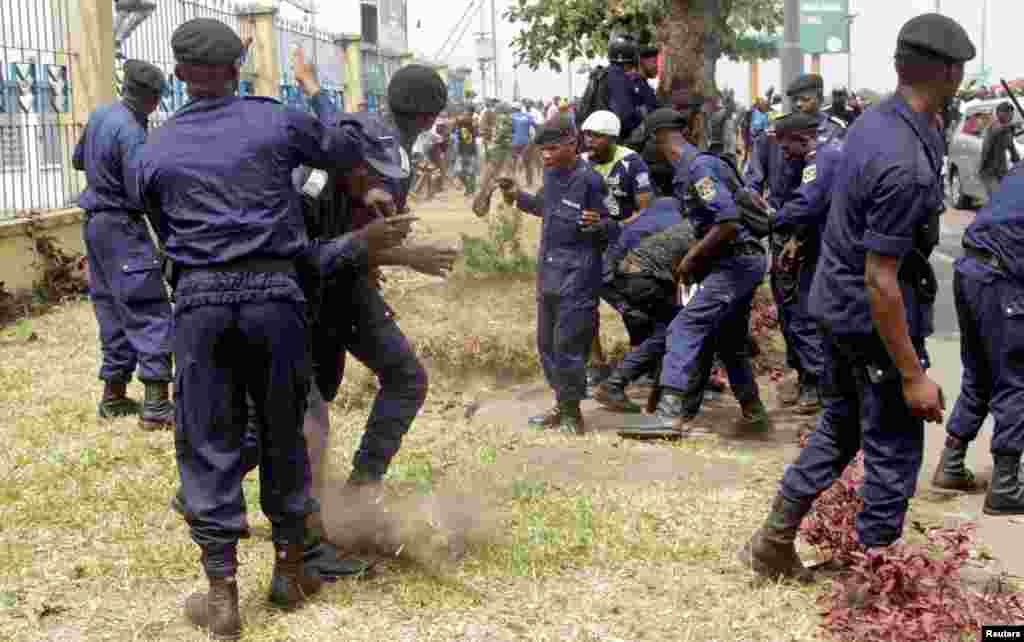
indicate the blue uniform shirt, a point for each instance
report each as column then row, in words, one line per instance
column 706, row 197
column 108, row 153
column 813, row 198
column 999, row 227
column 623, row 100
column 769, row 171
column 219, row 173
column 626, row 175
column 646, row 98
column 661, row 215
column 522, row 123
column 887, row 186
column 831, row 128
column 569, row 257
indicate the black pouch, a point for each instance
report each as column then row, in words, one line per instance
column 917, row 272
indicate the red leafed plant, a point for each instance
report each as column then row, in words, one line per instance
column 905, row 592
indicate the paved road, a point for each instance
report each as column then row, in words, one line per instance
column 1001, row 535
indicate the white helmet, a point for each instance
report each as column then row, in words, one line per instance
column 602, row 122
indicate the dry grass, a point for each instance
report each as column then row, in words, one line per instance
column 563, row 538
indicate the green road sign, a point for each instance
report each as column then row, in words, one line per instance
column 824, row 26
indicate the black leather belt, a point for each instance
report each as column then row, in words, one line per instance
column 257, row 264
column 984, row 256
column 747, row 248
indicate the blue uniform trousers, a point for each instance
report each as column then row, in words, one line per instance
column 566, row 326
column 804, row 350
column 990, row 307
column 230, row 341
column 128, row 296
column 716, row 319
column 378, row 342
column 859, row 413
column 647, row 308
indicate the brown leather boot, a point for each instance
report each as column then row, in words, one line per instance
column 771, row 552
column 115, row 401
column 291, row 585
column 216, row 612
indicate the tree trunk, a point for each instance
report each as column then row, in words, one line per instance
column 682, row 37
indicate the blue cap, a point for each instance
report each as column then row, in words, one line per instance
column 381, row 146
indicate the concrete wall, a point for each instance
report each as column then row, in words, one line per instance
column 19, row 268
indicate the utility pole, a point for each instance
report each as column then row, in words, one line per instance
column 938, row 6
column 792, row 55
column 569, row 67
column 494, row 46
column 984, row 38
column 849, row 51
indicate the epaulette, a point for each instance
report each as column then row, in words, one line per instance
column 837, row 121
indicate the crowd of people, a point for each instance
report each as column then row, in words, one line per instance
column 269, row 226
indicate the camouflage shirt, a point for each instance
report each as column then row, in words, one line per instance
column 503, row 133
column 657, row 255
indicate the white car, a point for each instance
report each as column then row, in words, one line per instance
column 965, row 188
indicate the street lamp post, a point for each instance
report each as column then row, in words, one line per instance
column 792, row 56
column 849, row 51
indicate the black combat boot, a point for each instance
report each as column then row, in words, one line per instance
column 291, row 584
column 115, row 401
column 666, row 422
column 157, row 409
column 323, row 559
column 754, row 420
column 952, row 473
column 1006, row 494
column 771, row 552
column 809, row 401
column 570, row 418
column 548, row 419
column 612, row 395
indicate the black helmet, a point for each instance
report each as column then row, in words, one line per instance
column 623, row 49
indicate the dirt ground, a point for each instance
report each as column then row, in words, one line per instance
column 489, row 531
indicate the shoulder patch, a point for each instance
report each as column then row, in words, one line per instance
column 706, row 189
column 810, row 173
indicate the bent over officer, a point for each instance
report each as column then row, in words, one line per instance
column 575, row 233
column 125, row 278
column 873, row 293
column 728, row 264
column 990, row 304
column 232, row 224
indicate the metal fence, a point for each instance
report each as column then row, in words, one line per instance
column 321, row 47
column 37, row 134
column 152, row 43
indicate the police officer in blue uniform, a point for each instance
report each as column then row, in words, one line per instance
column 639, row 280
column 807, row 93
column 990, row 302
column 126, row 284
column 232, row 224
column 797, row 234
column 576, row 231
column 623, row 100
column 647, row 71
column 873, row 293
column 727, row 264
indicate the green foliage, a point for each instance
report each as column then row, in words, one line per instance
column 502, row 251
column 581, row 28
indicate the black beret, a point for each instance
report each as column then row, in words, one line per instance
column 140, row 76
column 205, row 41
column 1004, row 107
column 558, row 129
column 796, row 121
column 417, row 89
column 938, row 36
column 806, row 82
column 665, row 118
column 648, row 51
